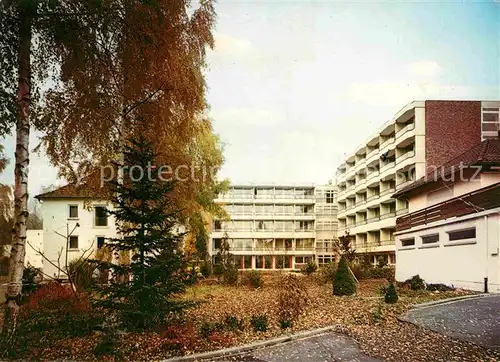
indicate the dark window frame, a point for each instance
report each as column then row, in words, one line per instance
column 71, row 239
column 462, row 234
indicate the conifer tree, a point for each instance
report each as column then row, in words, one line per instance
column 343, row 283
column 141, row 292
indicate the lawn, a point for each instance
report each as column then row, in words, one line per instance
column 365, row 317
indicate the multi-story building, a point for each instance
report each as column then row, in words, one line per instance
column 277, row 227
column 422, row 135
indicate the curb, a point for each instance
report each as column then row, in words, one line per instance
column 447, row 301
column 251, row 346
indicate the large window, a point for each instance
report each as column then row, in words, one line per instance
column 490, row 122
column 101, row 216
column 408, row 242
column 100, row 241
column 430, row 239
column 330, row 197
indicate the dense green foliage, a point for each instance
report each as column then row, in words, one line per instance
column 141, row 292
column 344, row 283
column 391, row 296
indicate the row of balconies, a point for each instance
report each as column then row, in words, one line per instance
column 347, row 169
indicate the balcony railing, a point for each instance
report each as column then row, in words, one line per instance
column 387, row 166
column 483, row 199
column 405, row 129
column 328, row 249
column 360, row 202
column 360, row 222
column 386, row 143
column 373, row 197
column 373, row 219
column 388, row 191
column 387, row 215
column 372, row 174
column 402, row 211
column 405, row 156
column 372, row 153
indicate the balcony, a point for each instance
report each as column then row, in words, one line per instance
column 372, row 155
column 405, row 156
column 373, row 219
column 387, row 166
column 405, row 129
column 372, row 174
column 387, row 215
column 360, row 222
column 387, row 192
column 386, row 143
column 373, row 197
column 404, row 184
column 360, row 202
column 401, row 211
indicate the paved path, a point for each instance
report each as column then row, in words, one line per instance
column 475, row 320
column 324, row 347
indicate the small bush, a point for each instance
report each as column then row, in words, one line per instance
column 259, row 323
column 254, row 278
column 439, row 288
column 326, row 273
column 344, row 283
column 378, row 314
column 416, row 283
column 233, row 323
column 230, row 275
column 284, row 324
column 30, row 285
column 292, row 299
column 309, row 268
column 206, row 269
column 82, row 274
column 381, row 262
column 208, row 328
column 391, row 296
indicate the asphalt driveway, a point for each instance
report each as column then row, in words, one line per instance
column 475, row 320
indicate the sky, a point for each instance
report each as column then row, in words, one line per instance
column 295, row 86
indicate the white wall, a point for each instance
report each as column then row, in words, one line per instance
column 32, row 257
column 56, row 219
column 462, row 264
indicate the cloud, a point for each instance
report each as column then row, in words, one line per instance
column 424, row 68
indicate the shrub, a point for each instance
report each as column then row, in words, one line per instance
column 259, row 322
column 292, row 299
column 218, row 270
column 326, row 273
column 416, row 283
column 230, row 275
column 284, row 324
column 344, row 283
column 381, row 262
column 206, row 269
column 309, row 268
column 439, row 288
column 233, row 323
column 253, row 278
column 207, row 328
column 30, row 285
column 82, row 274
column 51, row 313
column 390, row 295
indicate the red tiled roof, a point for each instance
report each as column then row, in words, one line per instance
column 484, row 153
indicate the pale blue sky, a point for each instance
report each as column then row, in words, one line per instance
column 294, row 86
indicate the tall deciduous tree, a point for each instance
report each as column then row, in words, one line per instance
column 143, row 61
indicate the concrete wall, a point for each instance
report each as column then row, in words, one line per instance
column 56, row 219
column 464, row 263
column 452, row 127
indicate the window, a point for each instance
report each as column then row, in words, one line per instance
column 430, row 239
column 490, row 122
column 73, row 211
column 462, row 234
column 101, row 216
column 73, row 242
column 408, row 242
column 100, row 242
column 330, row 197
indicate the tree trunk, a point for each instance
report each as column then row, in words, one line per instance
column 21, row 167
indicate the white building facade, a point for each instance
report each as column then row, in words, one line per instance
column 451, row 234
column 277, row 227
